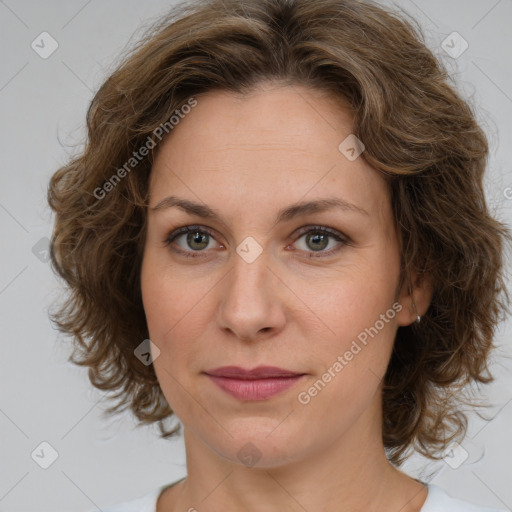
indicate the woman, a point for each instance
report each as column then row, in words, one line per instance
column 237, row 137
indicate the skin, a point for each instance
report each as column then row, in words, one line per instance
column 248, row 156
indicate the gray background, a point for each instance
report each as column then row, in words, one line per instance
column 43, row 397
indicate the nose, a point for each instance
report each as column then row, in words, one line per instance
column 251, row 305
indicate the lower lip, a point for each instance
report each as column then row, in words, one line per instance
column 258, row 389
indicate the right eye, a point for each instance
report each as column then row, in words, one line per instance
column 196, row 240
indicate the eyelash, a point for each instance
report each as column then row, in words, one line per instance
column 339, row 237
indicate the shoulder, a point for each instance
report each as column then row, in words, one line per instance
column 439, row 501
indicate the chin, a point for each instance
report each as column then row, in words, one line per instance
column 259, row 444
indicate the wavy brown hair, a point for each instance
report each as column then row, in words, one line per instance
column 417, row 130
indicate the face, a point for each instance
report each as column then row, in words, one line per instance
column 312, row 291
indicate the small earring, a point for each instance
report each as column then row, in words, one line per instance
column 418, row 317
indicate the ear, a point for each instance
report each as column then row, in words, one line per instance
column 416, row 291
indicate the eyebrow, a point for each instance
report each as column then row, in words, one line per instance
column 286, row 214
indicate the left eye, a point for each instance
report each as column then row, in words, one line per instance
column 317, row 239
column 199, row 238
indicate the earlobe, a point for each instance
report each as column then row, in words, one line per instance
column 415, row 299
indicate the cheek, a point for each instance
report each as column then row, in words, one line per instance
column 356, row 314
column 176, row 315
column 351, row 366
column 170, row 299
column 351, row 299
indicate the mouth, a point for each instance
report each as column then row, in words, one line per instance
column 260, row 383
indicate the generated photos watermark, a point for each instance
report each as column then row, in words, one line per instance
column 139, row 155
column 304, row 397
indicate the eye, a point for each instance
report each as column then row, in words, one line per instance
column 197, row 238
column 317, row 238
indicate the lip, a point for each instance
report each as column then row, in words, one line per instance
column 259, row 383
column 260, row 372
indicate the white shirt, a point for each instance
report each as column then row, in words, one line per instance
column 437, row 501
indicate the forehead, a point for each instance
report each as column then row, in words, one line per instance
column 277, row 140
column 268, row 116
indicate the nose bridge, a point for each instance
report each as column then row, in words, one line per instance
column 249, row 280
column 250, row 301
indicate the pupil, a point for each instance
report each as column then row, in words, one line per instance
column 196, row 238
column 318, row 237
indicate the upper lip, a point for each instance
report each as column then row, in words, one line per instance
column 260, row 372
